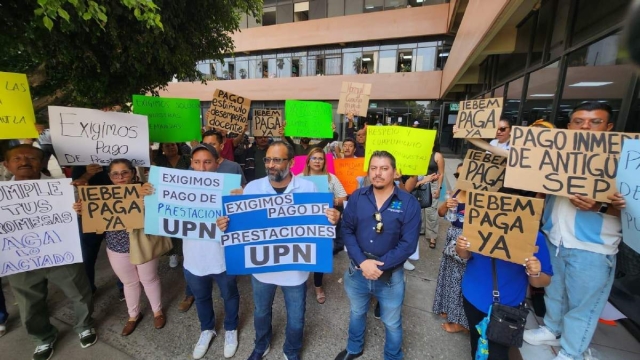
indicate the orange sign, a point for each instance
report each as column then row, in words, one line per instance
column 347, row 170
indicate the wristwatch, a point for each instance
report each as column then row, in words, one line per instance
column 603, row 208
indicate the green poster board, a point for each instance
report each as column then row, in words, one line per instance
column 170, row 119
column 311, row 119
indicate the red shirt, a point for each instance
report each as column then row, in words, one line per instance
column 227, row 150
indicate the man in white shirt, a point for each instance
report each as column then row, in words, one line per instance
column 203, row 264
column 279, row 180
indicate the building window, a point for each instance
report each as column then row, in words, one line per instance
column 512, row 103
column 425, row 58
column 335, row 8
column 369, row 62
column 373, row 5
column 387, row 61
column 395, row 4
column 512, row 64
column 594, row 16
column 405, row 61
column 301, row 11
column 352, row 7
column 559, row 29
column 352, row 62
column 269, row 16
column 540, row 92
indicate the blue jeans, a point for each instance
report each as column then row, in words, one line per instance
column 390, row 295
column 202, row 287
column 295, row 301
column 4, row 315
column 578, row 292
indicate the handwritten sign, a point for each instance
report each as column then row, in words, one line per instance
column 300, row 161
column 502, row 226
column 410, row 146
column 564, row 162
column 186, row 203
column 111, row 208
column 347, row 171
column 17, row 120
column 85, row 136
column 38, row 225
column 267, row 122
column 354, row 98
column 482, row 171
column 170, row 119
column 308, row 119
column 479, row 118
column 628, row 184
column 228, row 112
column 278, row 233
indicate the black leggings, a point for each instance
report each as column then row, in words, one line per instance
column 474, row 316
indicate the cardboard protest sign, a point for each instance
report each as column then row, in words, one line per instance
column 502, row 226
column 278, row 233
column 628, row 184
column 411, row 147
column 38, row 225
column 354, row 98
column 311, row 119
column 186, row 203
column 564, row 162
column 267, row 122
column 85, row 136
column 17, row 120
column 321, row 181
column 228, row 112
column 300, row 161
column 482, row 171
column 347, row 171
column 111, row 208
column 170, row 119
column 479, row 118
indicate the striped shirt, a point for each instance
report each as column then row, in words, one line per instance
column 565, row 225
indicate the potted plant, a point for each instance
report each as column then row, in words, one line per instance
column 280, row 63
column 243, row 73
column 225, row 74
column 357, row 65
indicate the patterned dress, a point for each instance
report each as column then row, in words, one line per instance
column 448, row 297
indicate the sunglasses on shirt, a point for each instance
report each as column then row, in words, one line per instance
column 379, row 226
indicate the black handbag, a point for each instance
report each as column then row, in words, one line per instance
column 423, row 194
column 506, row 324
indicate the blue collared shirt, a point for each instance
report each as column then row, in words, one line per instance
column 400, row 230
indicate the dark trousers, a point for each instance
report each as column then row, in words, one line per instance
column 496, row 351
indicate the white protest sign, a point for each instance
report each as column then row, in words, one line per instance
column 38, row 227
column 86, row 136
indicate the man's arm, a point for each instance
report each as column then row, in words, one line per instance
column 409, row 235
column 325, row 142
column 238, row 139
column 349, row 226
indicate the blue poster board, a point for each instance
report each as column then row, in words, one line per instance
column 186, row 203
column 321, row 181
column 628, row 184
column 271, row 233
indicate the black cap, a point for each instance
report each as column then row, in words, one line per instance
column 208, row 147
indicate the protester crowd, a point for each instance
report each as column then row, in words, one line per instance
column 379, row 227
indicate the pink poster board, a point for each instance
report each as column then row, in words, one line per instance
column 299, row 162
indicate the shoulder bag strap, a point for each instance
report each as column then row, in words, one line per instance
column 496, row 293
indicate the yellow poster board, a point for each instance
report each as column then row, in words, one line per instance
column 410, row 146
column 17, row 120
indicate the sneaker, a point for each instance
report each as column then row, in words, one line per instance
column 376, row 311
column 255, row 355
column 44, row 352
column 3, row 328
column 409, row 266
column 121, row 294
column 230, row 343
column 88, row 338
column 561, row 356
column 203, row 343
column 173, row 261
column 541, row 336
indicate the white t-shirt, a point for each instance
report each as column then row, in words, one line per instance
column 504, row 145
column 203, row 257
column 262, row 186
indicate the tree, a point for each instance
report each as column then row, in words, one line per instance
column 92, row 54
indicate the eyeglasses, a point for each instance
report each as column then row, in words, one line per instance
column 276, row 161
column 456, row 175
column 122, row 174
column 379, row 226
column 316, row 158
column 503, row 129
column 592, row 122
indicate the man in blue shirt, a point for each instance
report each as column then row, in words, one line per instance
column 380, row 228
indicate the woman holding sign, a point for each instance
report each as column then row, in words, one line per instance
column 316, row 165
column 122, row 172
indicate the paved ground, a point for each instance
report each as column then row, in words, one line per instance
column 325, row 331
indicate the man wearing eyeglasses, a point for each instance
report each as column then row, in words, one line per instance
column 30, row 287
column 380, row 228
column 279, row 180
column 583, row 237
